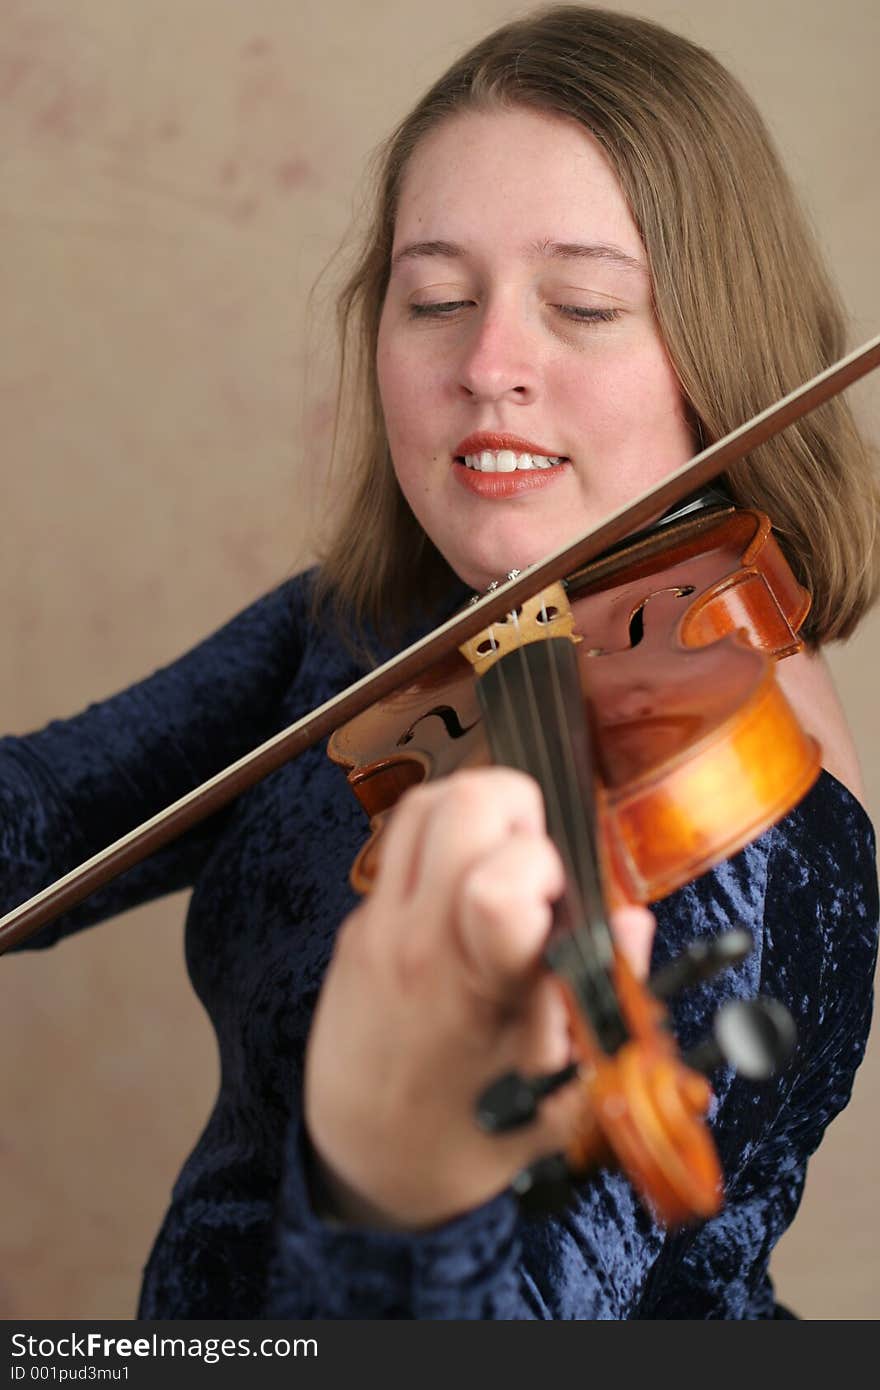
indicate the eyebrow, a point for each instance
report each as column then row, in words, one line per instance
column 552, row 250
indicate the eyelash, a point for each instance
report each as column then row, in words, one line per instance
column 572, row 311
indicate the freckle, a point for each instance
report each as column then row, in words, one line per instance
column 256, row 48
column 293, row 173
column 229, row 172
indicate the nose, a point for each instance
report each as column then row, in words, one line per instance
column 498, row 359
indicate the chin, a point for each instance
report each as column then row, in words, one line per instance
column 480, row 577
column 480, row 572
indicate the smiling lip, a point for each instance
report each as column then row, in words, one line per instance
column 476, row 443
column 501, row 485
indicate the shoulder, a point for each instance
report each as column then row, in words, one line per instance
column 821, row 898
column 831, row 831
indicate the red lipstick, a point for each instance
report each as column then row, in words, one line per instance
column 502, row 485
column 486, row 439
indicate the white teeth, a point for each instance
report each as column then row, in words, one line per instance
column 506, row 461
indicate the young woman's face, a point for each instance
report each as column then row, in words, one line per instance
column 518, row 328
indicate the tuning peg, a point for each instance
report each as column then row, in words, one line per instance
column 546, row 1188
column 512, row 1100
column 754, row 1036
column 700, row 961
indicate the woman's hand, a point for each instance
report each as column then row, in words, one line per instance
column 435, row 988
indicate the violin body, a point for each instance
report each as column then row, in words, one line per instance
column 641, row 695
column 697, row 750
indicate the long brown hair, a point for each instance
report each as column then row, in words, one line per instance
column 743, row 302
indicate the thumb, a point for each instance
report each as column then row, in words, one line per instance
column 633, row 930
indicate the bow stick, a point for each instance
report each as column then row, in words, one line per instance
column 219, row 790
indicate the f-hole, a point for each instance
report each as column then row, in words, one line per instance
column 451, row 722
column 637, row 621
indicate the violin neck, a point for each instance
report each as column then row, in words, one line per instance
column 533, row 710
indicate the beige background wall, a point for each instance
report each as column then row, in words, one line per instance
column 173, row 175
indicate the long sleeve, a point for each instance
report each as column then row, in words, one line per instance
column 489, row 1264
column 818, row 953
column 72, row 788
column 807, row 891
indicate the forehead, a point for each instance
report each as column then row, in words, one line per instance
column 482, row 174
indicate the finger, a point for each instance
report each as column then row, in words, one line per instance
column 402, row 838
column 480, row 810
column 633, row 930
column 542, row 1041
column 503, row 911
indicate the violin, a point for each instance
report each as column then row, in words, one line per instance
column 633, row 641
column 640, row 695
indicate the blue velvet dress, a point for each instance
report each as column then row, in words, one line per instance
column 270, row 886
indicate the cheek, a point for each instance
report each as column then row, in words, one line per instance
column 597, row 398
column 653, row 381
column 396, row 386
column 624, row 397
column 408, row 406
column 401, row 412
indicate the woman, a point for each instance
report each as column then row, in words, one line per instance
column 566, row 288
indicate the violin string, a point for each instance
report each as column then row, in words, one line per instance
column 548, row 779
column 595, row 925
column 584, row 940
column 586, row 934
column 507, row 700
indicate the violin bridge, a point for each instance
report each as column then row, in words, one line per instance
column 546, row 614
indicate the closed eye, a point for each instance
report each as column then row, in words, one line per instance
column 581, row 314
column 439, row 310
column 578, row 312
